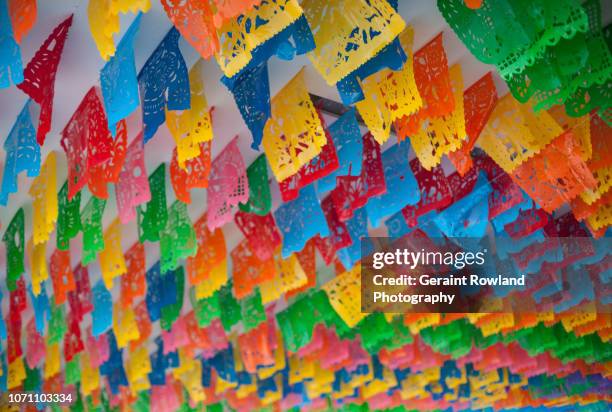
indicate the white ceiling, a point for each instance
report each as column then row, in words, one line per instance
column 79, row 70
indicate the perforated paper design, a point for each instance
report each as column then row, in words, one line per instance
column 112, row 262
column 260, row 232
column 14, row 242
column 390, row 95
column 514, row 133
column 133, row 281
column 478, row 102
column 102, row 315
column 69, row 218
column 295, row 229
column 86, row 141
column 178, row 239
column 344, row 293
column 44, row 200
column 118, row 79
column 239, row 37
column 211, row 252
column 132, row 188
column 194, row 175
column 38, row 265
column 260, row 199
column 91, row 225
column 61, row 274
column 293, row 135
column 163, row 83
column 227, row 185
column 10, row 57
column 248, row 271
column 322, row 165
column 556, row 174
column 190, row 128
column 104, row 21
column 153, row 216
column 22, row 153
column 109, row 170
column 349, row 33
column 442, row 134
column 353, row 192
column 39, row 76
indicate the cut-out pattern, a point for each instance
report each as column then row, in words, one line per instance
column 69, row 217
column 227, row 185
column 132, row 188
column 39, row 76
column 91, row 225
column 61, row 274
column 163, row 83
column 153, row 216
column 322, row 165
column 478, row 102
column 353, row 192
column 80, row 299
column 211, row 252
column 112, row 263
column 194, row 175
column 102, row 315
column 190, row 128
column 249, row 271
column 108, row 171
column 38, row 266
column 22, row 153
column 10, row 57
column 44, row 200
column 260, row 199
column 390, row 95
column 293, row 135
column 86, row 141
column 133, row 281
column 118, row 79
column 295, row 229
column 14, row 241
column 23, row 16
column 349, row 33
column 178, row 239
column 260, row 232
column 344, row 293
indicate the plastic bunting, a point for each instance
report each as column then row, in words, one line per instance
column 153, row 217
column 133, row 281
column 44, row 200
column 79, row 298
column 11, row 67
column 260, row 199
column 248, row 270
column 178, row 239
column 91, row 226
column 104, row 21
column 86, row 141
column 227, row 185
column 22, row 153
column 14, row 240
column 132, row 188
column 290, row 220
column 194, row 174
column 294, row 134
column 348, row 34
column 164, row 84
column 201, row 266
column 289, row 276
column 260, row 232
column 102, row 315
column 109, row 170
column 357, row 228
column 118, row 79
column 568, row 32
column 39, row 76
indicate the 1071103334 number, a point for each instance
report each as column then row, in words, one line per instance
column 36, row 397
